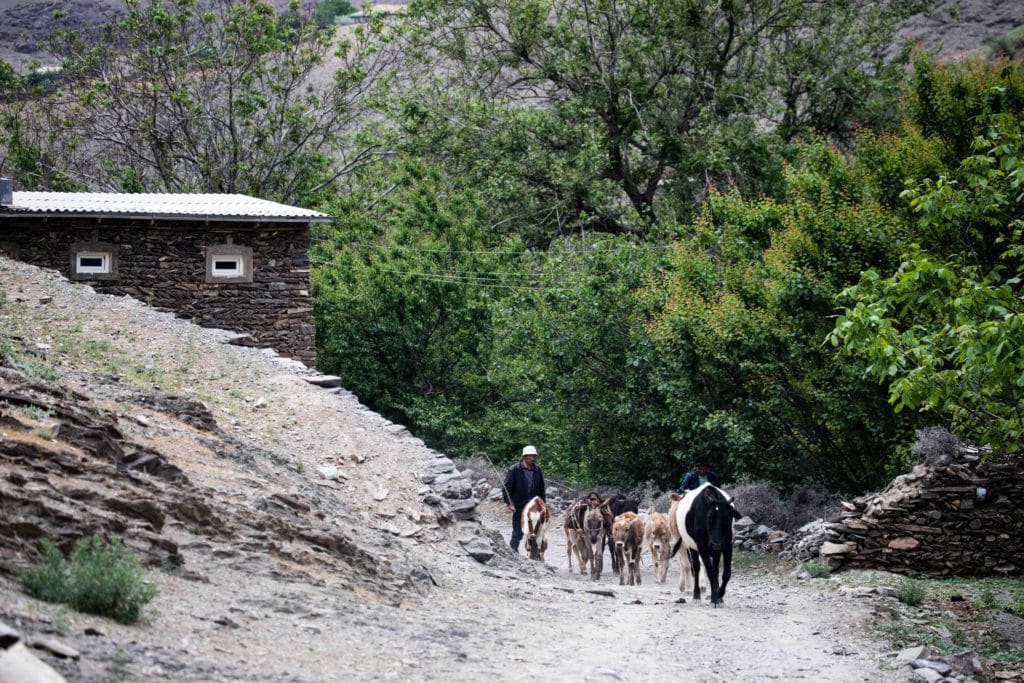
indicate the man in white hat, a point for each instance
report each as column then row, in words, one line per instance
column 523, row 481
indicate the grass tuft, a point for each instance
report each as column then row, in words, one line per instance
column 817, row 569
column 98, row 578
column 911, row 591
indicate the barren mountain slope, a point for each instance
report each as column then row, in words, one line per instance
column 206, row 459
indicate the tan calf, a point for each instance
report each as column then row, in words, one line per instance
column 536, row 518
column 658, row 539
column 628, row 537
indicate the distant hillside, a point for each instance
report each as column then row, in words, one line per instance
column 957, row 27
column 27, row 24
column 953, row 28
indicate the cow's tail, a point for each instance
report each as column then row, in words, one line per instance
column 675, row 548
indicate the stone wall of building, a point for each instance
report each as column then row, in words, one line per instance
column 964, row 517
column 163, row 263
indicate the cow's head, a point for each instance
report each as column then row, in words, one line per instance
column 593, row 524
column 719, row 516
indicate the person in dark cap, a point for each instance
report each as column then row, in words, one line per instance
column 699, row 475
column 523, row 481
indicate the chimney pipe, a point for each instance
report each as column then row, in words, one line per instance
column 6, row 192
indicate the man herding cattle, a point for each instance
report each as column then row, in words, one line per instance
column 700, row 474
column 523, row 481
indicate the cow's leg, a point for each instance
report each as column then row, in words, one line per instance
column 636, row 564
column 685, row 568
column 568, row 546
column 695, row 560
column 619, row 554
column 711, row 564
column 611, row 551
column 726, row 572
column 583, row 554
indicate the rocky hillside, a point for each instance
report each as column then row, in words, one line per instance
column 247, row 488
column 951, row 29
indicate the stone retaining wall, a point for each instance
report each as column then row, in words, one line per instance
column 961, row 518
column 163, row 263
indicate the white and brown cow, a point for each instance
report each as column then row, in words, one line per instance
column 658, row 539
column 536, row 518
column 628, row 537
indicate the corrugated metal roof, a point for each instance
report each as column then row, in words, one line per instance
column 124, row 205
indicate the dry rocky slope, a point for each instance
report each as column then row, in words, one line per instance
column 950, row 29
column 289, row 532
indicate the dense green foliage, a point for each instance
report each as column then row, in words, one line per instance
column 945, row 331
column 98, row 578
column 618, row 116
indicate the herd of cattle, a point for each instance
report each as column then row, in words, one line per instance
column 698, row 529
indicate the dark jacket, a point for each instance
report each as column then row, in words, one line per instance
column 692, row 481
column 517, row 485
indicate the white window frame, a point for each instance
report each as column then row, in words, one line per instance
column 105, row 257
column 237, row 271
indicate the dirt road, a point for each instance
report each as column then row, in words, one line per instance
column 538, row 623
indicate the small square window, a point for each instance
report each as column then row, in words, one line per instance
column 228, row 266
column 93, row 262
column 228, row 263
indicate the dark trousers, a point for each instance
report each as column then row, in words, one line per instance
column 517, row 529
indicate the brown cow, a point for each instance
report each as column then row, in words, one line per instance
column 628, row 535
column 536, row 518
column 658, row 539
column 595, row 525
column 575, row 538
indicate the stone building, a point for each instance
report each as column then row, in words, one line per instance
column 221, row 260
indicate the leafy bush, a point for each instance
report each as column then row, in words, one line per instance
column 817, row 569
column 911, row 591
column 98, row 578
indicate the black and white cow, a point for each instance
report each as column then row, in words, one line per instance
column 704, row 518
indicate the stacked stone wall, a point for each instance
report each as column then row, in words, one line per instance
column 961, row 518
column 164, row 265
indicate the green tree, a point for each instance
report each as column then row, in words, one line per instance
column 945, row 331
column 201, row 96
column 740, row 318
column 619, row 109
column 327, row 10
column 403, row 286
column 573, row 363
